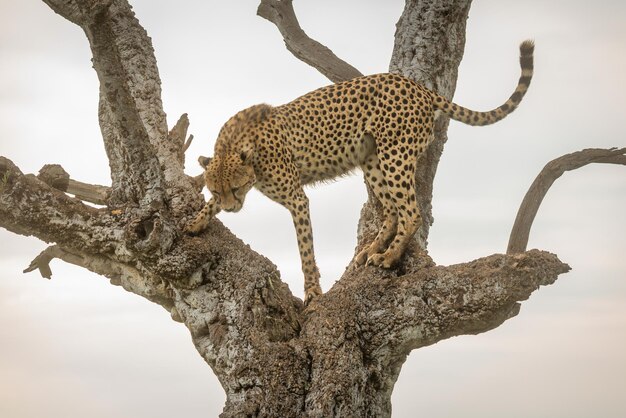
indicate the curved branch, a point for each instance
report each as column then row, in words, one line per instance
column 281, row 13
column 518, row 239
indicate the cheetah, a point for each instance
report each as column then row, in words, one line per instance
column 378, row 123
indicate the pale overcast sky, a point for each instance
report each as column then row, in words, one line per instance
column 76, row 346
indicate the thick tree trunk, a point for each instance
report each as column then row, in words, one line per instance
column 339, row 357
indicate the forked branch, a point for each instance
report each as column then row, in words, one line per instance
column 548, row 175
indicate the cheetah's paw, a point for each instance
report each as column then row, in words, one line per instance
column 362, row 256
column 379, row 260
column 193, row 228
column 312, row 293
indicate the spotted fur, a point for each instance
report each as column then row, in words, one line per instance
column 379, row 123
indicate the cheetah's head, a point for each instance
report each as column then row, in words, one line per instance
column 229, row 177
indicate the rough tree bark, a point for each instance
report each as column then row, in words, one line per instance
column 341, row 356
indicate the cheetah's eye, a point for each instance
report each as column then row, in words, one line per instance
column 235, row 189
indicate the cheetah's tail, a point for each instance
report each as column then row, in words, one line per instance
column 475, row 118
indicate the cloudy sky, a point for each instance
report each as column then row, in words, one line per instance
column 76, row 346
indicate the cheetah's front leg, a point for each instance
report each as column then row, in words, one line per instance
column 200, row 222
column 299, row 209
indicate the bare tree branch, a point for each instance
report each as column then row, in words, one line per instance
column 76, row 11
column 153, row 289
column 178, row 134
column 42, row 261
column 520, row 233
column 92, row 193
column 281, row 13
column 187, row 143
column 28, row 206
column 55, row 176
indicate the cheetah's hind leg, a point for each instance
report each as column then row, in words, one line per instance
column 401, row 186
column 376, row 180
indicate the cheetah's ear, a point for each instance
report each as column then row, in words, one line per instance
column 258, row 113
column 246, row 155
column 265, row 112
column 204, row 161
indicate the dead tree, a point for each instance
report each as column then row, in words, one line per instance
column 341, row 356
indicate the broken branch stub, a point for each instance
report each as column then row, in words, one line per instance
column 56, row 177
